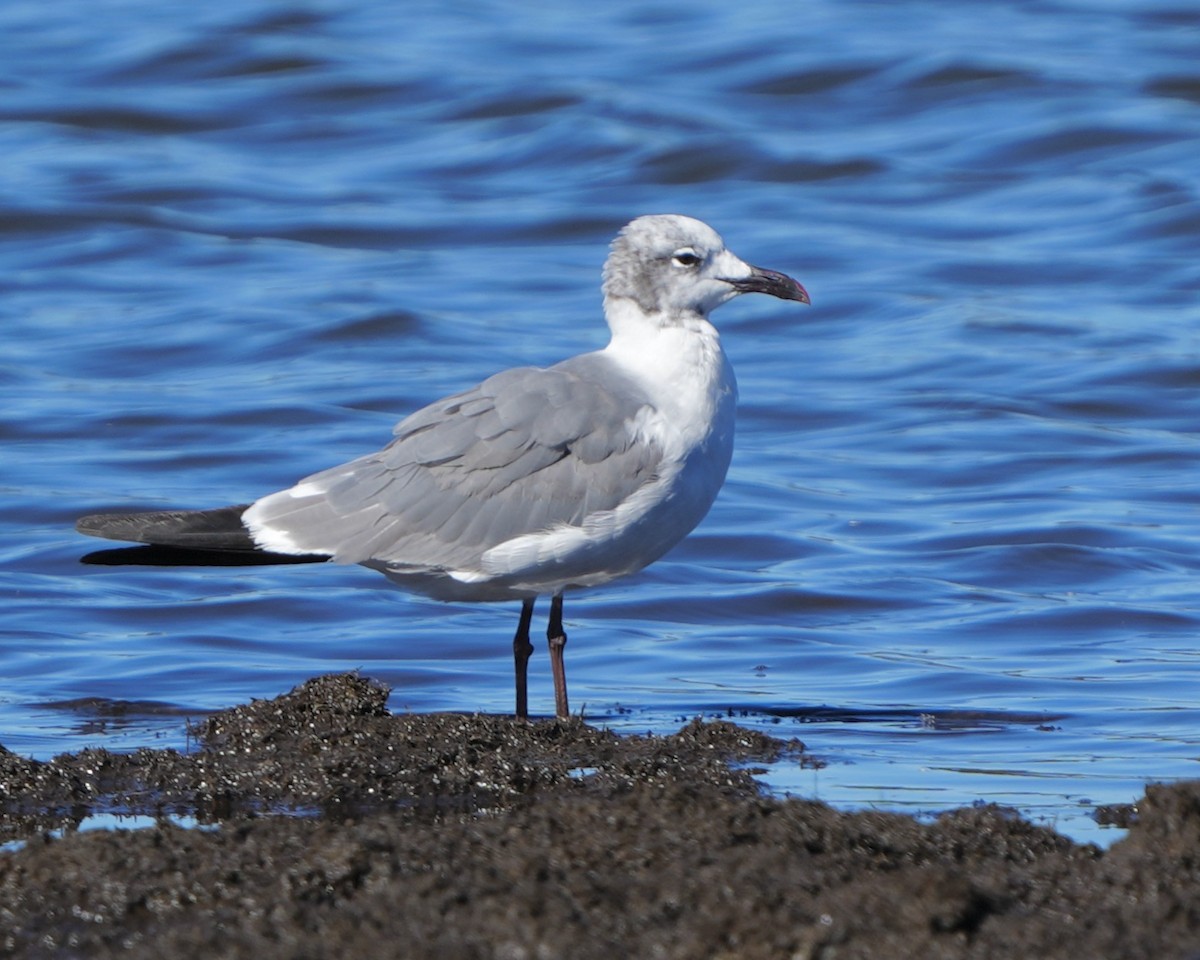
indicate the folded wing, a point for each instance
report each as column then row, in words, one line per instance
column 527, row 451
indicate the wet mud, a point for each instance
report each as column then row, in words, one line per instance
column 326, row 826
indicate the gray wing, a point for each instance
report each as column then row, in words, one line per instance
column 525, row 451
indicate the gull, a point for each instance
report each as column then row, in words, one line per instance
column 534, row 482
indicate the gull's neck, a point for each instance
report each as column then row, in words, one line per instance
column 627, row 319
column 677, row 357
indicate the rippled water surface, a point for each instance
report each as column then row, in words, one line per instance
column 958, row 552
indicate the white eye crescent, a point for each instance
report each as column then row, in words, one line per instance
column 687, row 257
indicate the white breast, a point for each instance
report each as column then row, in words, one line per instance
column 694, row 394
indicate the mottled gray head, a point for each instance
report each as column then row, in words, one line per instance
column 673, row 265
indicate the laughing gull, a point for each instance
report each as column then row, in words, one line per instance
column 534, row 482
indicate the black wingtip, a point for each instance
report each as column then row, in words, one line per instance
column 217, row 530
column 92, row 524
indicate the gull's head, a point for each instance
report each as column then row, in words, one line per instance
column 671, row 267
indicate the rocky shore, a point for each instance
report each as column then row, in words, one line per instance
column 328, row 827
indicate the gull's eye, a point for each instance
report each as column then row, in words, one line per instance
column 686, row 257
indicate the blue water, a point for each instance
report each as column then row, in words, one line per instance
column 958, row 552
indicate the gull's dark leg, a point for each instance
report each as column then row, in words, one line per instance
column 556, row 638
column 522, row 649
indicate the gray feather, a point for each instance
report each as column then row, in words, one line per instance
column 523, row 452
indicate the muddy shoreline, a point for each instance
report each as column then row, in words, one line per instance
column 329, row 827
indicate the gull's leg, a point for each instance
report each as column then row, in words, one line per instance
column 556, row 638
column 522, row 649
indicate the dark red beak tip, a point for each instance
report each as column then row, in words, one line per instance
column 773, row 283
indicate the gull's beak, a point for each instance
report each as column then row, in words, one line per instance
column 771, row 282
